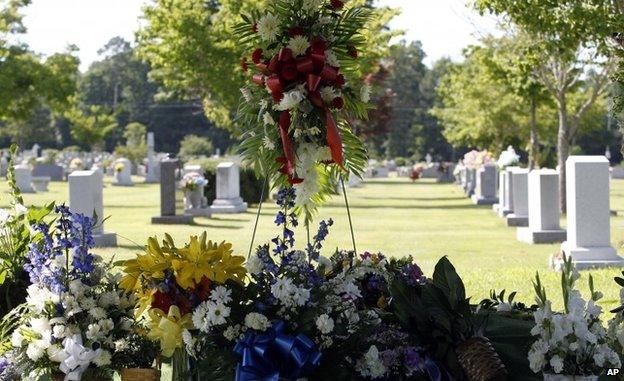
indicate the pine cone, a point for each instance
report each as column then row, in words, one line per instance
column 480, row 361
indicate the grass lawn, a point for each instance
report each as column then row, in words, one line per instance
column 393, row 216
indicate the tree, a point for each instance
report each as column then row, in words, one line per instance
column 575, row 38
column 194, row 146
column 193, row 52
column 90, row 125
column 135, row 148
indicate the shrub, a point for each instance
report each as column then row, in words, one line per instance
column 195, row 146
column 250, row 185
column 400, row 161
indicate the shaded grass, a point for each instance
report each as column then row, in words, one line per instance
column 393, row 216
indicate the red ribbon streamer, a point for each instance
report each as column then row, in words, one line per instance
column 334, row 141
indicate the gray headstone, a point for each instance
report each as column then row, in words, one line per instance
column 507, row 206
column 485, row 191
column 543, row 209
column 153, row 165
column 53, row 171
column 502, row 187
column 23, row 178
column 520, row 186
column 168, row 185
column 86, row 197
column 123, row 177
column 588, row 215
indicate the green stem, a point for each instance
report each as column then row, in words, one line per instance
column 344, row 193
column 253, row 235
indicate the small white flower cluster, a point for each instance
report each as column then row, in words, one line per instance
column 213, row 312
column 308, row 154
column 289, row 294
column 575, row 335
column 508, row 158
column 370, row 365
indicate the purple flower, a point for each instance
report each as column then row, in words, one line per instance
column 413, row 359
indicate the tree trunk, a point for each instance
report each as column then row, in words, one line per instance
column 534, row 138
column 563, row 149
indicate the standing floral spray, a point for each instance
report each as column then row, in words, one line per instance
column 615, row 330
column 171, row 282
column 74, row 311
column 573, row 342
column 296, row 105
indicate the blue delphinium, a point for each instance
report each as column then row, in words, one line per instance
column 71, row 238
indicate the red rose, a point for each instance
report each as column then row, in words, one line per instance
column 243, row 64
column 289, row 72
column 352, row 51
column 256, row 56
column 336, row 4
column 340, row 81
column 318, row 45
column 338, row 103
column 162, row 301
column 296, row 31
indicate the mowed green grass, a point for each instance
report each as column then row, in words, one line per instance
column 393, row 216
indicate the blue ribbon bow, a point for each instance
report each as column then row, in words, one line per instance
column 274, row 354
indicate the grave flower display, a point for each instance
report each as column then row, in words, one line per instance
column 170, row 282
column 119, row 167
column 572, row 343
column 193, row 185
column 74, row 311
column 508, row 158
column 476, row 159
column 615, row 330
column 298, row 100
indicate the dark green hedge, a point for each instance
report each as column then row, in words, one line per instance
column 250, row 186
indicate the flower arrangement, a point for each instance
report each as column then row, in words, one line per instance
column 508, row 158
column 171, row 282
column 192, row 181
column 119, row 167
column 76, row 164
column 615, row 330
column 573, row 342
column 298, row 101
column 476, row 159
column 416, row 172
column 74, row 311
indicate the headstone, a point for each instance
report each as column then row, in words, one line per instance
column 471, row 181
column 617, row 172
column 86, row 197
column 168, row 185
column 153, row 165
column 381, row 172
column 391, row 165
column 430, row 171
column 354, row 181
column 543, row 209
column 485, row 191
column 53, row 171
column 445, row 173
column 193, row 168
column 40, row 183
column 501, row 184
column 23, row 178
column 428, row 158
column 520, row 186
column 228, row 190
column 588, row 217
column 507, row 206
column 4, row 166
column 123, row 172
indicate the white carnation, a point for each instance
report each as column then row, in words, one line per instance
column 103, row 359
column 257, row 321
column 325, row 324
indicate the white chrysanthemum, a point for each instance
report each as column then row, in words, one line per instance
column 257, row 321
column 268, row 27
column 199, row 317
column 299, row 45
column 246, row 93
column 331, row 58
column 301, row 296
column 121, row 345
column 103, row 359
column 17, row 339
column 325, row 324
column 290, row 101
column 311, row 5
column 221, row 294
column 268, row 143
column 35, row 351
column 268, row 119
column 282, row 288
column 231, row 333
column 217, row 313
column 365, row 92
column 254, row 265
column 328, row 93
column 189, row 342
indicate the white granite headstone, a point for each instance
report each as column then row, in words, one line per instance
column 228, row 190
column 123, row 172
column 501, row 191
column 588, row 215
column 23, row 178
column 153, row 165
column 86, row 197
column 507, row 201
column 520, row 186
column 543, row 209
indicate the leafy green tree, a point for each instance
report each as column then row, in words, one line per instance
column 193, row 52
column 135, row 148
column 576, row 41
column 91, row 125
column 195, row 146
